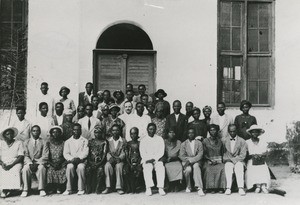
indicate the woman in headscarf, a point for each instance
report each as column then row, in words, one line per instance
column 171, row 159
column 257, row 173
column 214, row 174
column 56, row 163
column 199, row 126
column 95, row 178
column 244, row 120
column 11, row 161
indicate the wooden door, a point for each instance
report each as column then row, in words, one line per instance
column 114, row 69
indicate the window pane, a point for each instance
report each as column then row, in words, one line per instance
column 5, row 33
column 252, row 68
column 252, row 40
column 253, row 92
column 264, row 39
column 225, row 13
column 5, row 14
column 236, row 39
column 225, row 38
column 264, row 15
column 264, row 66
column 252, row 15
column 263, row 93
column 236, row 14
column 17, row 10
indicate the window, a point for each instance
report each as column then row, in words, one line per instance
column 246, row 52
column 13, row 52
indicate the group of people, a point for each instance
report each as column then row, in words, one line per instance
column 128, row 143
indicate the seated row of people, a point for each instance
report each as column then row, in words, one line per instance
column 102, row 165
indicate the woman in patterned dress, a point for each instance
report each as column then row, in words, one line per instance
column 56, row 163
column 214, row 174
column 95, row 178
column 160, row 121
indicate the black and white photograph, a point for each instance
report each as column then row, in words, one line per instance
column 147, row 102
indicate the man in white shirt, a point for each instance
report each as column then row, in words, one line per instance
column 43, row 120
column 45, row 97
column 139, row 120
column 22, row 124
column 127, row 118
column 59, row 116
column 88, row 122
column 152, row 148
column 222, row 119
column 75, row 152
column 129, row 97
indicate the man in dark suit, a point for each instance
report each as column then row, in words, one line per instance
column 86, row 97
column 115, row 161
column 177, row 120
column 235, row 150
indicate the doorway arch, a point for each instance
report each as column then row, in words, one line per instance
column 124, row 54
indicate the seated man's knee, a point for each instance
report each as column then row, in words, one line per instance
column 188, row 170
column 81, row 166
column 196, row 166
column 26, row 168
column 70, row 166
column 41, row 167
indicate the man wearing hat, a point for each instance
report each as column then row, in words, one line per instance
column 68, row 103
column 33, row 162
column 85, row 98
column 161, row 94
column 88, row 122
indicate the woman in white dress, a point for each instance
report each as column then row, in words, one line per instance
column 11, row 159
column 257, row 173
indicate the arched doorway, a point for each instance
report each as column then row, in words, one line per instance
column 124, row 54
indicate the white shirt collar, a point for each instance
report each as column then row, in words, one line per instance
column 116, row 142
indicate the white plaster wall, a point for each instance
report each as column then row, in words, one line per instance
column 62, row 35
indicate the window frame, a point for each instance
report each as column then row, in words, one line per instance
column 245, row 55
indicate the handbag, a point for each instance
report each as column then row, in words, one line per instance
column 258, row 159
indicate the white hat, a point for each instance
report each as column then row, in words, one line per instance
column 256, row 127
column 15, row 130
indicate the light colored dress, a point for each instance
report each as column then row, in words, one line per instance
column 11, row 179
column 68, row 105
column 173, row 168
column 257, row 174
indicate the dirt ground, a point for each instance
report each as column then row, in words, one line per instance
column 285, row 181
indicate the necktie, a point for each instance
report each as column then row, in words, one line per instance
column 89, row 124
